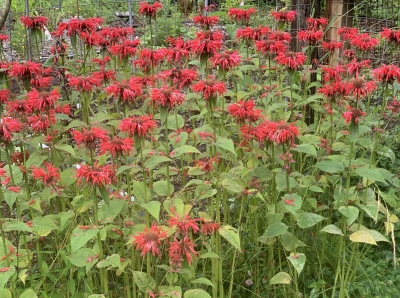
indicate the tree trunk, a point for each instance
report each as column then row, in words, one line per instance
column 5, row 9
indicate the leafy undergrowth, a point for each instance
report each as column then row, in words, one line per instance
column 195, row 170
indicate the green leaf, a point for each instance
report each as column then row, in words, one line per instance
column 108, row 213
column 84, row 257
column 143, row 281
column 36, row 159
column 332, row 229
column 231, row 235
column 298, row 261
column 66, row 148
column 306, row 148
column 203, row 280
column 43, row 224
column 111, row 261
column 307, row 220
column 161, row 188
column 5, row 276
column 209, row 255
column 370, row 174
column 330, row 166
column 208, row 193
column 280, row 278
column 231, row 186
column 16, row 226
column 226, row 144
column 378, row 236
column 155, row 160
column 29, row 293
column 81, row 236
column 97, row 296
column 350, row 212
column 153, row 208
column 182, row 150
column 292, row 202
column 10, row 197
column 173, row 124
column 363, row 236
column 5, row 293
column 105, row 195
column 140, row 191
column 68, row 177
column 196, row 293
column 276, row 229
column 371, row 210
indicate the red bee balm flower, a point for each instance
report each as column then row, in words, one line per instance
column 34, row 23
column 364, row 42
column 316, row 23
column 360, row 87
column 282, row 132
column 167, row 97
column 149, row 240
column 7, row 127
column 25, row 70
column 124, row 91
column 208, row 228
column 352, row 114
column 95, row 175
column 249, row 33
column 209, row 88
column 90, row 137
column 244, row 111
column 49, row 176
column 117, row 146
column 270, row 47
column 126, row 49
column 179, row 249
column 86, row 84
column 241, row 15
column 391, row 35
column 206, row 21
column 149, row 10
column 387, row 73
column 206, row 164
column 332, row 46
column 183, row 223
column 139, row 126
column 310, row 36
column 226, row 60
column 284, row 16
column 291, row 60
column 43, row 101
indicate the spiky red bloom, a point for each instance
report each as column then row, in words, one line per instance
column 316, row 23
column 310, row 36
column 332, row 73
column 241, row 15
column 149, row 240
column 355, row 67
column 175, row 54
column 183, row 223
column 394, row 106
column 4, row 96
column 284, row 16
column 209, row 88
column 180, row 78
column 209, row 228
column 149, row 10
column 205, row 164
column 117, row 146
column 43, row 101
column 41, row 123
column 139, row 126
column 25, row 70
column 40, row 82
column 391, row 35
column 93, row 39
column 7, row 127
column 349, row 55
column 167, row 97
column 90, row 137
column 249, row 33
column 104, row 75
column 126, row 49
column 50, row 175
column 96, row 175
column 86, row 84
column 76, row 26
column 332, row 46
column 206, row 21
column 335, row 90
column 152, row 57
column 347, row 32
column 387, row 73
column 34, row 23
column 3, row 37
column 282, row 132
column 278, row 35
column 352, row 114
column 259, row 132
column 226, row 60
column 179, row 249
column 115, row 35
column 364, row 42
column 124, row 91
column 270, row 47
column 361, row 88
column 291, row 60
column 20, row 107
column 244, row 110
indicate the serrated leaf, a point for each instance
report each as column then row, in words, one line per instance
column 330, row 166
column 209, row 255
column 66, row 148
column 143, row 281
column 208, row 193
column 5, row 274
column 306, row 148
column 184, row 149
column 276, row 229
column 43, row 224
column 298, row 261
column 81, row 236
column 363, row 236
column 36, row 159
column 378, row 236
column 105, row 195
column 370, row 174
column 203, row 280
column 196, row 293
column 29, row 293
column 16, row 226
column 10, row 197
column 350, row 212
column 108, row 213
column 68, row 176
column 226, row 144
column 332, row 229
column 280, row 278
column 231, row 235
column 307, row 220
column 153, row 208
column 155, row 160
column 111, row 261
column 231, row 186
column 161, row 188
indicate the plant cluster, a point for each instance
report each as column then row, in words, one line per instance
column 197, row 169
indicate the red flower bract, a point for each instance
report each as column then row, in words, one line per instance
column 282, row 132
column 387, row 73
column 149, row 240
column 352, row 114
column 284, row 16
column 241, row 15
column 244, row 111
column 183, row 223
column 7, row 127
column 181, row 248
column 34, row 23
column 86, row 84
column 209, row 88
column 226, row 60
column 49, row 175
column 90, row 137
column 124, row 91
column 167, row 97
column 149, row 10
column 364, row 42
column 291, row 60
column 96, row 175
column 117, row 146
column 138, row 126
column 43, row 101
